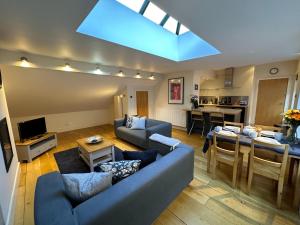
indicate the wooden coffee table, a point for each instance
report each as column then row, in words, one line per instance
column 92, row 154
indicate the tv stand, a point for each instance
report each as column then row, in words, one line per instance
column 32, row 148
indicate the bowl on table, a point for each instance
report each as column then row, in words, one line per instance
column 94, row 139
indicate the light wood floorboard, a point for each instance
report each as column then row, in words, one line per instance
column 204, row 201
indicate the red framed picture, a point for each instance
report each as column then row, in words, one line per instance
column 176, row 90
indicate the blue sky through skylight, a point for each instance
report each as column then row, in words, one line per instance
column 153, row 32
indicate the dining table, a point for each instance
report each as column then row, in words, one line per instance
column 245, row 148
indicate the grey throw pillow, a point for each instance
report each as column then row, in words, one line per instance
column 81, row 186
column 121, row 169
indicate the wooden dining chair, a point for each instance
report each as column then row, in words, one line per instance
column 229, row 155
column 196, row 116
column 216, row 118
column 267, row 167
column 235, row 124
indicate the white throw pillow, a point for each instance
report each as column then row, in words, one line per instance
column 138, row 123
column 81, row 186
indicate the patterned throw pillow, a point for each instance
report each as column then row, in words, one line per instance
column 129, row 122
column 121, row 169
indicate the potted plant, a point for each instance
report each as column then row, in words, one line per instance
column 194, row 101
column 292, row 117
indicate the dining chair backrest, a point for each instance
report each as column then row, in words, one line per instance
column 216, row 114
column 220, row 142
column 269, row 128
column 257, row 147
column 273, row 169
column 196, row 112
column 235, row 124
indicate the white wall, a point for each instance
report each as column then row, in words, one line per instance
column 173, row 113
column 287, row 69
column 62, row 122
column 8, row 181
column 242, row 83
column 131, row 100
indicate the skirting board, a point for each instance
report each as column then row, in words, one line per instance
column 12, row 205
column 179, row 128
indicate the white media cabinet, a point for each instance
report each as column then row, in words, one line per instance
column 30, row 149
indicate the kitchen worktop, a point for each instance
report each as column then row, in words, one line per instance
column 217, row 110
column 229, row 106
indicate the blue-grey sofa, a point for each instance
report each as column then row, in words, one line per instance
column 141, row 137
column 137, row 200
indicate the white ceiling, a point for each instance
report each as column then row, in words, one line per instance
column 41, row 91
column 247, row 32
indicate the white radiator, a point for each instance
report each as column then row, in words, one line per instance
column 175, row 116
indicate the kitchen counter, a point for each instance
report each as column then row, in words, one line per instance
column 235, row 112
column 230, row 114
column 227, row 106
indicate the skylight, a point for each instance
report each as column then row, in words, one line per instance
column 171, row 25
column 131, row 28
column 183, row 29
column 135, row 5
column 154, row 13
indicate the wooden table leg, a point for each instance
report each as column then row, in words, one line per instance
column 297, row 186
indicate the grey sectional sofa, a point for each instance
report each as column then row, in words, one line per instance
column 136, row 200
column 141, row 137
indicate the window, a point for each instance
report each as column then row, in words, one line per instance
column 154, row 13
column 135, row 5
column 183, row 29
column 171, row 25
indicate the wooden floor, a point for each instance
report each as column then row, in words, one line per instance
column 204, row 201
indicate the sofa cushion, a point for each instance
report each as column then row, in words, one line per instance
column 146, row 157
column 81, row 186
column 139, row 134
column 120, row 169
column 138, row 123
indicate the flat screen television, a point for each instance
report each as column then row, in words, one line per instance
column 5, row 144
column 32, row 128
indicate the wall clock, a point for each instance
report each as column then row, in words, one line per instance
column 273, row 71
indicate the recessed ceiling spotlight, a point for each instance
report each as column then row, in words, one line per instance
column 138, row 75
column 68, row 67
column 98, row 70
column 152, row 77
column 24, row 62
column 120, row 74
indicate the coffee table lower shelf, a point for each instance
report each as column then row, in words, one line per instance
column 92, row 159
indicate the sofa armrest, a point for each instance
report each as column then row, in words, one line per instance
column 140, row 198
column 118, row 123
column 163, row 129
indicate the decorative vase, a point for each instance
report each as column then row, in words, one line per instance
column 292, row 137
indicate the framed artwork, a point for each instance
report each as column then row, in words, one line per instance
column 176, row 90
column 6, row 144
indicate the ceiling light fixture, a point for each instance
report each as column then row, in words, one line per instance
column 138, row 75
column 152, row 77
column 67, row 67
column 98, row 70
column 24, row 62
column 120, row 74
